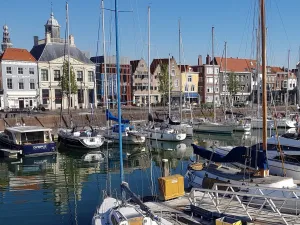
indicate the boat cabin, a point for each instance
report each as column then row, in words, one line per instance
column 129, row 216
column 25, row 135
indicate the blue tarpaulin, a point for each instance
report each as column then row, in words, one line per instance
column 191, row 95
column 110, row 116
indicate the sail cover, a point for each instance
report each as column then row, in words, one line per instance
column 236, row 155
column 110, row 116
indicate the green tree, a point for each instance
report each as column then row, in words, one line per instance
column 64, row 80
column 164, row 82
column 233, row 85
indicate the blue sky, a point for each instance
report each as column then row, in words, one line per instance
column 233, row 21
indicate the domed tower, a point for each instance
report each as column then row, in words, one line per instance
column 52, row 27
column 6, row 39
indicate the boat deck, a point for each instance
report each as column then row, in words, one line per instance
column 8, row 153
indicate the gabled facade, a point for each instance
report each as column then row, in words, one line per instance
column 50, row 54
column 19, row 77
column 139, row 69
column 190, row 80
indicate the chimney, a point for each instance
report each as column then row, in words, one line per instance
column 208, row 59
column 36, row 40
column 71, row 39
column 199, row 60
column 48, row 37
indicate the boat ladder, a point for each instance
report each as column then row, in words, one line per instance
column 248, row 203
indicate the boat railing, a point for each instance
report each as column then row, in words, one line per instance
column 248, row 202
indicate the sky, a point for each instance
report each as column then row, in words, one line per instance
column 234, row 21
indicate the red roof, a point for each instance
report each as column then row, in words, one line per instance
column 236, row 64
column 157, row 62
column 276, row 69
column 17, row 54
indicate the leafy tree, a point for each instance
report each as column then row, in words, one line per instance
column 64, row 80
column 164, row 82
column 233, row 85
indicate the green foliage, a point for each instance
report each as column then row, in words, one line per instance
column 64, row 79
column 233, row 84
column 164, row 82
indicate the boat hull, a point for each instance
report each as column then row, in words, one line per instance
column 30, row 149
column 212, row 128
column 164, row 136
column 77, row 143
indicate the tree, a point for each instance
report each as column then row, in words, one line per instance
column 164, row 82
column 233, row 85
column 64, row 80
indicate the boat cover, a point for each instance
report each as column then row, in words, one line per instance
column 171, row 122
column 151, row 119
column 236, row 155
column 110, row 116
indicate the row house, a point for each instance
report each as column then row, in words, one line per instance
column 190, row 80
column 111, row 73
column 139, row 70
column 19, row 77
column 155, row 69
column 244, row 70
column 50, row 54
column 208, row 80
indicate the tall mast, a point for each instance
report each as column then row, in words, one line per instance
column 287, row 88
column 225, row 77
column 69, row 66
column 257, row 71
column 169, row 86
column 119, row 89
column 212, row 48
column 149, row 75
column 180, row 78
column 105, row 100
column 264, row 76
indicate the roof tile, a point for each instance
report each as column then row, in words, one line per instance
column 17, row 54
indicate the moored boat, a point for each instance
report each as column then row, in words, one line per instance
column 31, row 140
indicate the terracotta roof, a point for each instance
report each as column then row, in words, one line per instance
column 276, row 69
column 185, row 68
column 17, row 54
column 156, row 62
column 134, row 64
column 236, row 64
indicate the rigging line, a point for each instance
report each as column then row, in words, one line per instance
column 247, row 36
column 283, row 24
column 248, row 15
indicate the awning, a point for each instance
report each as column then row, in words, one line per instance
column 191, row 95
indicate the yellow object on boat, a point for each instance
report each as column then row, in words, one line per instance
column 228, row 221
column 171, row 186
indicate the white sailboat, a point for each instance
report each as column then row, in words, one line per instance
column 113, row 211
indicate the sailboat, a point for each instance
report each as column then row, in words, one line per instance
column 254, row 162
column 113, row 211
column 80, row 138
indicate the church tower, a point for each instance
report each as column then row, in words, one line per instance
column 6, row 39
column 52, row 27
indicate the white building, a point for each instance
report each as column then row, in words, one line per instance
column 50, row 54
column 19, row 79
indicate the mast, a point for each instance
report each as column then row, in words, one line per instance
column 212, row 47
column 257, row 72
column 169, row 86
column 264, row 83
column 104, row 56
column 119, row 89
column 287, row 88
column 225, row 77
column 149, row 75
column 180, row 78
column 69, row 66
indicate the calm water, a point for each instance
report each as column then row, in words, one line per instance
column 65, row 189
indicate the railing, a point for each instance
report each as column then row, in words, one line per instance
column 255, row 203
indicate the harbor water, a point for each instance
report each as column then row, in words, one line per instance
column 67, row 187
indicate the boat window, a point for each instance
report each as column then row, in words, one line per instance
column 32, row 137
column 114, row 220
column 9, row 134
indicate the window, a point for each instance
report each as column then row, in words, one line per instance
column 193, row 88
column 176, row 83
column 172, row 73
column 31, row 71
column 45, row 96
column 186, row 88
column 190, row 78
column 56, row 75
column 58, row 96
column 32, row 84
column 21, row 84
column 91, row 76
column 8, row 70
column 20, row 70
column 44, row 75
column 79, row 76
column 9, row 83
